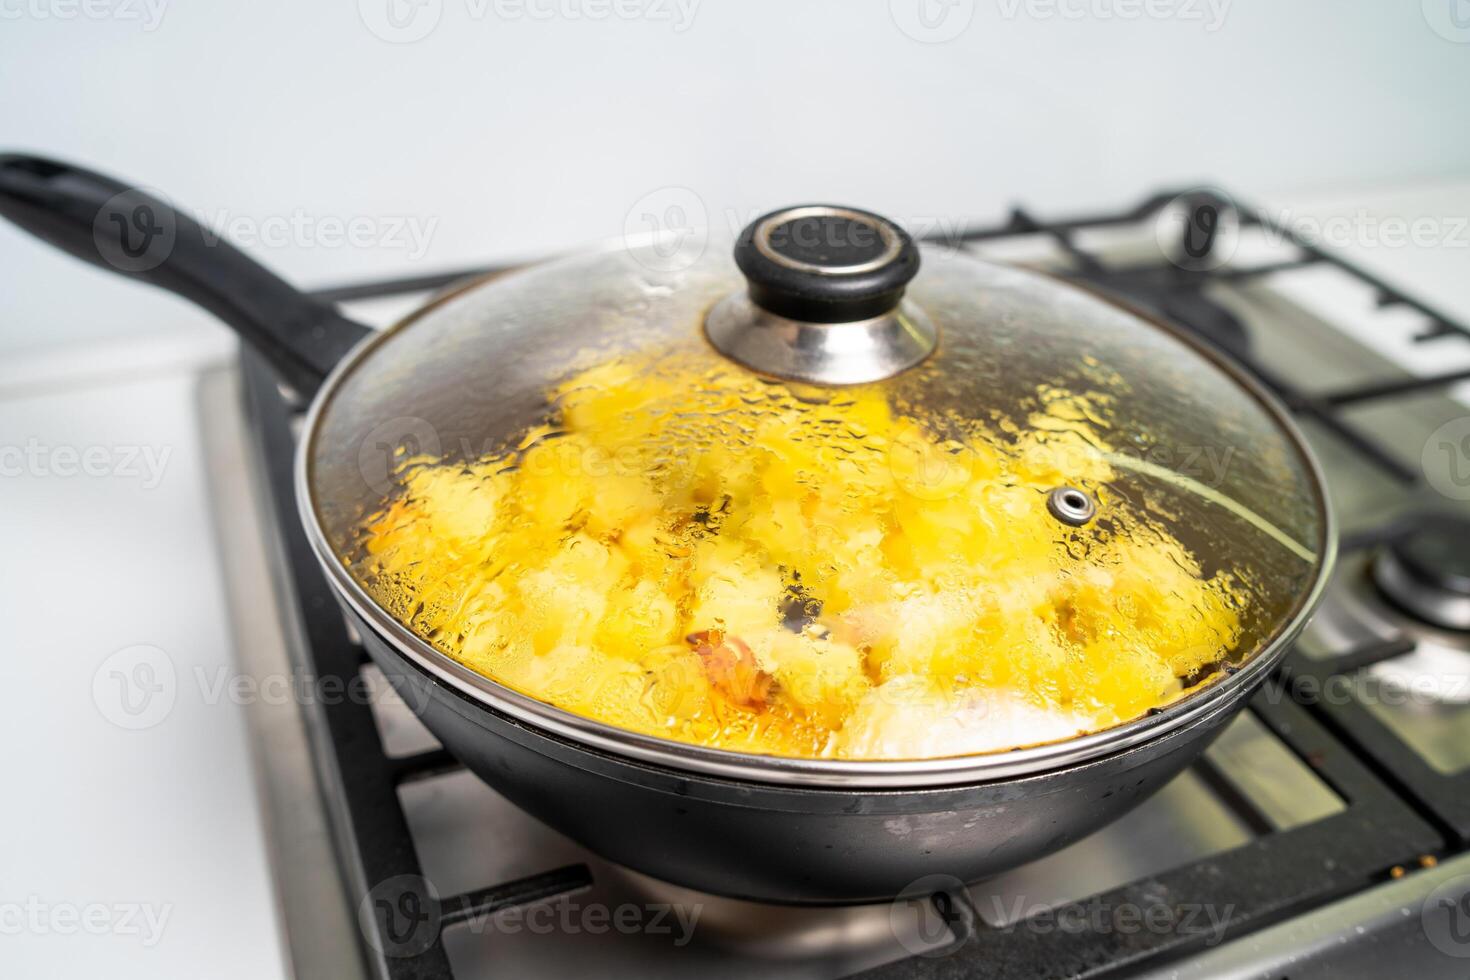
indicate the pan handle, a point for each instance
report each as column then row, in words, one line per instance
column 136, row 234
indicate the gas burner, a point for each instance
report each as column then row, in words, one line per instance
column 1426, row 572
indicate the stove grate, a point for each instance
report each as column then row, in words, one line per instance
column 1397, row 808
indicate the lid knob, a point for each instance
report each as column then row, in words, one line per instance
column 826, row 264
column 823, row 298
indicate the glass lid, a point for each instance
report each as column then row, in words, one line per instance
column 833, row 496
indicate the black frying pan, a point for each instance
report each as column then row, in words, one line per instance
column 747, row 836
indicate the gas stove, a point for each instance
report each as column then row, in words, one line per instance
column 1324, row 834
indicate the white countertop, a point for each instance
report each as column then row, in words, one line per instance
column 109, row 826
column 122, row 852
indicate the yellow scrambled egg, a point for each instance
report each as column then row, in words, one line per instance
column 688, row 551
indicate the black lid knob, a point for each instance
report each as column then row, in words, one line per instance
column 826, row 264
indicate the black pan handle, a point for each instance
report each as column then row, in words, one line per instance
column 134, row 233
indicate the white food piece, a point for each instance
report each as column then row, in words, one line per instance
column 909, row 718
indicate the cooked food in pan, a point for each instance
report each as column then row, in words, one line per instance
column 691, row 551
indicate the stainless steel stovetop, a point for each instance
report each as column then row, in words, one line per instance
column 1366, row 911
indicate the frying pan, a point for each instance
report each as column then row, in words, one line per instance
column 775, row 829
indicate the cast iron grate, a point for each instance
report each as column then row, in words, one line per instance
column 1396, row 807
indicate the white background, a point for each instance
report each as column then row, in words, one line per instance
column 513, row 133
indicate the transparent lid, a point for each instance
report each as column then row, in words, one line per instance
column 955, row 509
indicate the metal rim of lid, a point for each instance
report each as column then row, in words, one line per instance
column 799, row 772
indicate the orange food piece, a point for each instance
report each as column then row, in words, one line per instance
column 731, row 668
